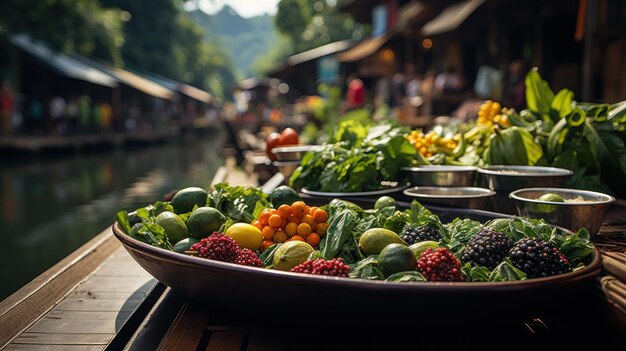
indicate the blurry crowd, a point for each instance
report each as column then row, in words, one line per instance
column 443, row 93
column 80, row 113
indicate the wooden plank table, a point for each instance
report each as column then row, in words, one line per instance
column 116, row 305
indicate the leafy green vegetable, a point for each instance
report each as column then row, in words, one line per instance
column 267, row 256
column 539, row 96
column 122, row 218
column 237, row 202
column 423, row 216
column 408, row 276
column 506, row 271
column 151, row 233
column 367, row 269
column 475, row 273
column 460, row 231
column 339, row 230
column 397, row 221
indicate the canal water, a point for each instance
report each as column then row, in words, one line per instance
column 51, row 206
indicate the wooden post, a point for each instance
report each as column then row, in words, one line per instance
column 590, row 28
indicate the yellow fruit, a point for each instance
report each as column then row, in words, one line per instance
column 246, row 235
column 291, row 254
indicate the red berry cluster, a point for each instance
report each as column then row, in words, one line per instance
column 221, row 247
column 334, row 267
column 440, row 265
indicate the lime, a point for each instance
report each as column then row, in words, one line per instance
column 374, row 240
column 246, row 235
column 203, row 221
column 284, row 195
column 419, row 247
column 184, row 245
column 552, row 197
column 291, row 254
column 396, row 258
column 185, row 199
column 385, row 201
column 174, row 226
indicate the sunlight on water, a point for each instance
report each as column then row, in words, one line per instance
column 50, row 207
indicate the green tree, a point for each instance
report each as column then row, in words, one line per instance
column 161, row 38
column 80, row 26
column 307, row 24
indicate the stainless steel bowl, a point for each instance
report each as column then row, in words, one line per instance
column 443, row 175
column 286, row 167
column 571, row 215
column 464, row 197
column 504, row 179
column 292, row 152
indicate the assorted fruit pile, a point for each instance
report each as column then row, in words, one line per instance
column 287, row 136
column 244, row 226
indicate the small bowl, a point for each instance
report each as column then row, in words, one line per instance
column 504, row 179
column 464, row 197
column 292, row 152
column 571, row 214
column 443, row 175
column 286, row 167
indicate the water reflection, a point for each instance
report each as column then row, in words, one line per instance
column 51, row 207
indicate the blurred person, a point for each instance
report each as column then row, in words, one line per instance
column 448, row 81
column 516, row 86
column 71, row 115
column 6, row 108
column 489, row 81
column 84, row 113
column 94, row 124
column 36, row 116
column 106, row 116
column 382, row 92
column 355, row 95
column 397, row 90
column 56, row 107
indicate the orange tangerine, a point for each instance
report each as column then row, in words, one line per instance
column 297, row 237
column 280, row 236
column 284, row 211
column 321, row 228
column 320, row 216
column 312, row 209
column 266, row 244
column 299, row 208
column 268, row 232
column 257, row 224
column 304, row 229
column 308, row 219
column 291, row 228
column 275, row 221
column 313, row 239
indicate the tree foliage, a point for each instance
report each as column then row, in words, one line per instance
column 307, row 24
column 81, row 26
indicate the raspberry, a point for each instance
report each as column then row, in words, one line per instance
column 440, row 265
column 217, row 246
column 334, row 267
column 247, row 257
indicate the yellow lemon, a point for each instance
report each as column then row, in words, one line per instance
column 246, row 235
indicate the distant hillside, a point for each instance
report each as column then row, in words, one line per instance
column 246, row 38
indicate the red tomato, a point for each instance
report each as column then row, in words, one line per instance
column 289, row 137
column 272, row 141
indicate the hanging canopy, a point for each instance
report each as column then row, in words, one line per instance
column 61, row 63
column 451, row 17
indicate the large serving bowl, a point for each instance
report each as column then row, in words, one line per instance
column 581, row 209
column 240, row 290
column 443, row 175
column 388, row 189
column 463, row 197
column 504, row 179
column 292, row 152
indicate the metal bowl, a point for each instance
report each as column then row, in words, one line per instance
column 569, row 214
column 286, row 167
column 464, row 197
column 292, row 152
column 504, row 179
column 443, row 175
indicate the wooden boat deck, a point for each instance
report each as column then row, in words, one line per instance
column 99, row 298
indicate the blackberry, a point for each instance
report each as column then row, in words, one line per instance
column 487, row 248
column 440, row 265
column 334, row 267
column 217, row 246
column 414, row 234
column 538, row 258
column 247, row 257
